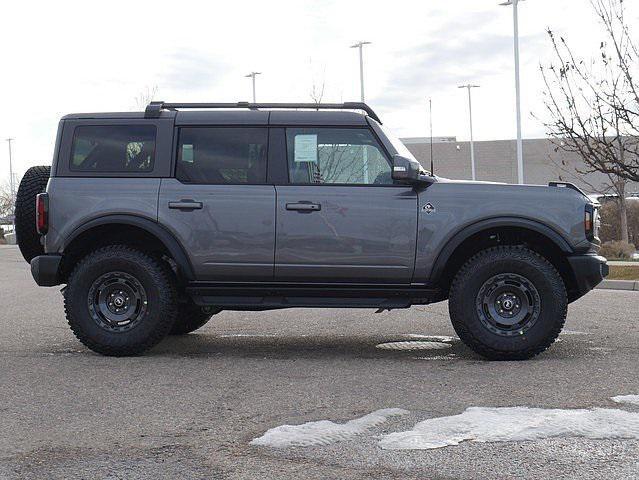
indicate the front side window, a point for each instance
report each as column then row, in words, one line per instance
column 336, row 156
column 222, row 155
column 113, row 148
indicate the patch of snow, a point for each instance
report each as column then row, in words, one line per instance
column 628, row 399
column 452, row 356
column 509, row 424
column 247, row 335
column 413, row 345
column 572, row 332
column 433, row 338
column 324, row 432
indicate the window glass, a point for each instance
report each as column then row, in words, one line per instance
column 222, row 155
column 336, row 155
column 113, row 148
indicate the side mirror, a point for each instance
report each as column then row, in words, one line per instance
column 407, row 170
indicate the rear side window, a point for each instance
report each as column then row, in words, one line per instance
column 226, row 155
column 113, row 148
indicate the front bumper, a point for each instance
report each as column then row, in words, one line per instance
column 589, row 271
column 45, row 270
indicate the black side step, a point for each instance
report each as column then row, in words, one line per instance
column 262, row 296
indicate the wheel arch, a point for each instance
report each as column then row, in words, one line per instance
column 125, row 229
column 503, row 231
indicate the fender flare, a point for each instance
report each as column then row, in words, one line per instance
column 174, row 247
column 466, row 232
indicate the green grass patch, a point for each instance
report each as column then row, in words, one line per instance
column 623, row 272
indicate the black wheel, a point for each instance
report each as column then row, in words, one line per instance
column 33, row 182
column 190, row 317
column 120, row 301
column 508, row 303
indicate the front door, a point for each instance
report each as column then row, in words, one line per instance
column 341, row 218
column 219, row 206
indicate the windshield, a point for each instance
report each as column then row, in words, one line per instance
column 397, row 144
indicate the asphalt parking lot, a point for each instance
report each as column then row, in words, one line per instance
column 191, row 407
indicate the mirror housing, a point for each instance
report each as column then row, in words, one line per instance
column 407, row 170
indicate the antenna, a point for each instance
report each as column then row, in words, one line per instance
column 432, row 162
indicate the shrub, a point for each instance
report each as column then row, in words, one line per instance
column 610, row 223
column 617, row 249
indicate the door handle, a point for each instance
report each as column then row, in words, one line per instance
column 186, row 205
column 304, row 207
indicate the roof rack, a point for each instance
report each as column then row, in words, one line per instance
column 154, row 108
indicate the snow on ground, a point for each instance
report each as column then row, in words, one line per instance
column 509, row 424
column 413, row 345
column 324, row 432
column 572, row 332
column 433, row 338
column 629, row 399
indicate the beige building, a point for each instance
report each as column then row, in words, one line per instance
column 496, row 161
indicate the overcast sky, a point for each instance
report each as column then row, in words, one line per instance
column 65, row 56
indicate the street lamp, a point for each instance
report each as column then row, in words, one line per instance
column 361, row 65
column 470, row 116
column 11, row 182
column 252, row 76
column 520, row 153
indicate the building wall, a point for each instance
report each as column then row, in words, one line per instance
column 496, row 161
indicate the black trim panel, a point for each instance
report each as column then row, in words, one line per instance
column 45, row 268
column 459, row 237
column 170, row 242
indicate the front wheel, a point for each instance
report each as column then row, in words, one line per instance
column 120, row 301
column 508, row 303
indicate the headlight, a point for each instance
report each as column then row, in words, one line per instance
column 591, row 222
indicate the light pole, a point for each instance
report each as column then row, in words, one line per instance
column 252, row 76
column 470, row 116
column 361, row 64
column 11, row 185
column 520, row 152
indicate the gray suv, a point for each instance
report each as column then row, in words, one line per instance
column 158, row 220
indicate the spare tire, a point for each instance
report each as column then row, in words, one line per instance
column 34, row 182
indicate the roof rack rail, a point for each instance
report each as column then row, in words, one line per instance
column 154, row 108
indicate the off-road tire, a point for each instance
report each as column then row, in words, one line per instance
column 190, row 317
column 160, row 294
column 33, row 182
column 465, row 311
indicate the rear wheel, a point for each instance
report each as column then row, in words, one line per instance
column 120, row 301
column 508, row 303
column 33, row 182
column 190, row 317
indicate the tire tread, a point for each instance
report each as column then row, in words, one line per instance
column 516, row 253
column 162, row 277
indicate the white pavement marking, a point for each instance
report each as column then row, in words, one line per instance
column 415, row 345
column 324, row 432
column 628, row 399
column 509, row 424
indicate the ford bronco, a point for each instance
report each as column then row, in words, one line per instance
column 156, row 221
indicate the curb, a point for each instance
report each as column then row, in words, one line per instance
column 628, row 285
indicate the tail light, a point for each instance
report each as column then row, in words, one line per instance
column 42, row 213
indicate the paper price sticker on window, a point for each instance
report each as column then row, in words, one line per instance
column 305, row 148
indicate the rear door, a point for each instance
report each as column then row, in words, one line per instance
column 341, row 218
column 219, row 205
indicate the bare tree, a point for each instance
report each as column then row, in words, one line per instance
column 145, row 97
column 7, row 201
column 593, row 105
column 317, row 84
